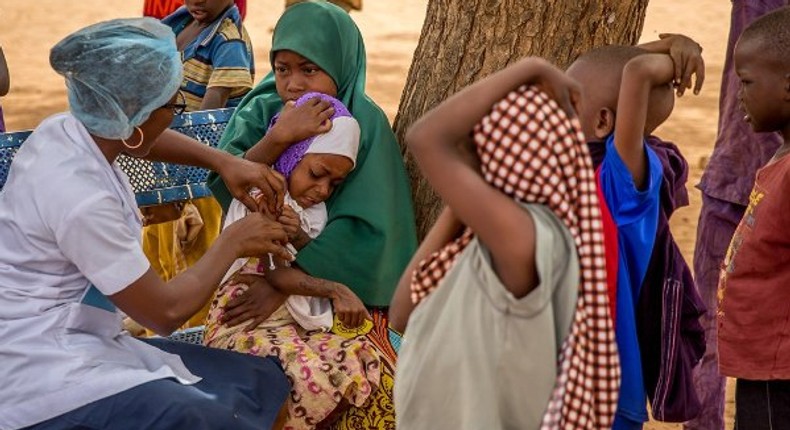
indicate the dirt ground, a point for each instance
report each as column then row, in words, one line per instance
column 391, row 29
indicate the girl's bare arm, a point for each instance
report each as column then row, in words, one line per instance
column 252, row 305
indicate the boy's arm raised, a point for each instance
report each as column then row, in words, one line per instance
column 686, row 55
column 436, row 141
column 640, row 75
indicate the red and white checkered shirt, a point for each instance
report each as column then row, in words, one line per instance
column 531, row 151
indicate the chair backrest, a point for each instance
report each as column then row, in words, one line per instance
column 9, row 145
column 153, row 183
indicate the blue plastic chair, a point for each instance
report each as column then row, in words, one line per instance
column 9, row 145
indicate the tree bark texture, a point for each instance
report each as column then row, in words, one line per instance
column 463, row 41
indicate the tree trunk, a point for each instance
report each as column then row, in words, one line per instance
column 463, row 41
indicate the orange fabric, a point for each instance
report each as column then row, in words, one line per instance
column 161, row 8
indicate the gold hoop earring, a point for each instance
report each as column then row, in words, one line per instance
column 139, row 144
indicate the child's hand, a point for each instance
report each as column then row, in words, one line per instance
column 242, row 175
column 687, row 56
column 298, row 123
column 348, row 307
column 256, row 304
column 560, row 87
column 293, row 228
column 255, row 235
column 290, row 221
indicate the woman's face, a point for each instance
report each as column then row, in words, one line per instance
column 295, row 75
column 157, row 122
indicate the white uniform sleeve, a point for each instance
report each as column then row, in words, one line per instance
column 96, row 238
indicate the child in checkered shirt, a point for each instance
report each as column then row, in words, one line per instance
column 498, row 276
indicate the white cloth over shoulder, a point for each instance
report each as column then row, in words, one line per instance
column 70, row 235
column 474, row 356
column 312, row 313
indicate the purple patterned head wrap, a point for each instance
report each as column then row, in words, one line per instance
column 294, row 154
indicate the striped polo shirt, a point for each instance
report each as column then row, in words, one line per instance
column 221, row 56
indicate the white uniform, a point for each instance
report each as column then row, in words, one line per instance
column 68, row 221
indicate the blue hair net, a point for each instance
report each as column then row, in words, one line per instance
column 118, row 72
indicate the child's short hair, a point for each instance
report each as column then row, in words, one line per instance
column 772, row 31
column 609, row 62
column 614, row 55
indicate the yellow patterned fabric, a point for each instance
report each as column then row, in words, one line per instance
column 328, row 372
column 169, row 255
column 379, row 411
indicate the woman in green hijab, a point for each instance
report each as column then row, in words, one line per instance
column 370, row 235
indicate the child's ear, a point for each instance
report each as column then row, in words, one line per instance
column 604, row 123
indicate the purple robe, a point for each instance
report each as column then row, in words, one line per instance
column 671, row 339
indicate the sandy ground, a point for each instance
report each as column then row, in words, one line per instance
column 28, row 29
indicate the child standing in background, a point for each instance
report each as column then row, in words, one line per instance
column 216, row 51
column 753, row 291
column 626, row 94
column 725, row 186
column 161, row 8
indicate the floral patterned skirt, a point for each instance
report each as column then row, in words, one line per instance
column 334, row 377
column 379, row 412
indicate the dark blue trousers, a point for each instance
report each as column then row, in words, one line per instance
column 762, row 405
column 238, row 392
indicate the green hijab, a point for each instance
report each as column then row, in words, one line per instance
column 370, row 235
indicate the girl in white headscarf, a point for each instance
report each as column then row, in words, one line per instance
column 329, row 365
